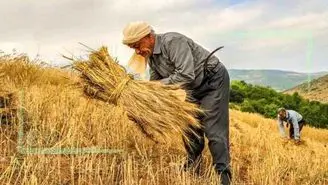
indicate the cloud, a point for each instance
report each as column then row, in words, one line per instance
column 256, row 34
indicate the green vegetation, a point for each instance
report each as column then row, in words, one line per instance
column 266, row 101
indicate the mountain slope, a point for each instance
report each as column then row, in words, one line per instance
column 277, row 79
column 315, row 90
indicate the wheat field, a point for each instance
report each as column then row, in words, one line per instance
column 58, row 115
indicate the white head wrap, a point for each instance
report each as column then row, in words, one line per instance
column 132, row 33
column 135, row 31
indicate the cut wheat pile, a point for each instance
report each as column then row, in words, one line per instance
column 152, row 106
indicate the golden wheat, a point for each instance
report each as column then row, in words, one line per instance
column 152, row 106
column 60, row 116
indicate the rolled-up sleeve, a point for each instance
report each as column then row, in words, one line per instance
column 154, row 75
column 180, row 54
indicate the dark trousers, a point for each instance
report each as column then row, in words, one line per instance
column 291, row 128
column 213, row 97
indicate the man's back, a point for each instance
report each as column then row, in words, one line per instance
column 291, row 114
column 176, row 52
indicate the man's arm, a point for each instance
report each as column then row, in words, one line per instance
column 281, row 127
column 296, row 128
column 180, row 53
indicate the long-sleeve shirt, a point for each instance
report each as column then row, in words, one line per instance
column 177, row 59
column 292, row 117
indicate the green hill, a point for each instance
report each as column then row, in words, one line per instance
column 276, row 79
column 266, row 101
column 315, row 90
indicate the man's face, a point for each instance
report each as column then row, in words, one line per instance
column 143, row 47
column 282, row 114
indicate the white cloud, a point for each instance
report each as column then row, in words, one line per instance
column 252, row 31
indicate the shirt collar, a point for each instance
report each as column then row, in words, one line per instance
column 158, row 43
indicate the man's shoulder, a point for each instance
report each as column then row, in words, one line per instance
column 169, row 36
column 292, row 112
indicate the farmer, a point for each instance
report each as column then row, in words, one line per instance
column 176, row 59
column 294, row 119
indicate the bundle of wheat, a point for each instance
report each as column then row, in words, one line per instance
column 152, row 106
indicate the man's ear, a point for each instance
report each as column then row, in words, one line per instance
column 150, row 36
column 131, row 45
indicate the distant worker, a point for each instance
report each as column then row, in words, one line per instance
column 294, row 119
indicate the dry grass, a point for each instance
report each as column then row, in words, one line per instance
column 18, row 71
column 60, row 116
column 271, row 160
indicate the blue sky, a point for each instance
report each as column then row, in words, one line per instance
column 233, row 2
column 279, row 34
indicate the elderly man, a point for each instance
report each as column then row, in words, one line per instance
column 294, row 119
column 176, row 59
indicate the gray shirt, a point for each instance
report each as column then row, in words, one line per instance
column 292, row 117
column 177, row 59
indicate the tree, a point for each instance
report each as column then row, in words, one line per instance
column 236, row 94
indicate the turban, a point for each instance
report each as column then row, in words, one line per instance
column 135, row 31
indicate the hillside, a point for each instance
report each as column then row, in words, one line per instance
column 315, row 90
column 276, row 79
column 58, row 116
column 266, row 101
